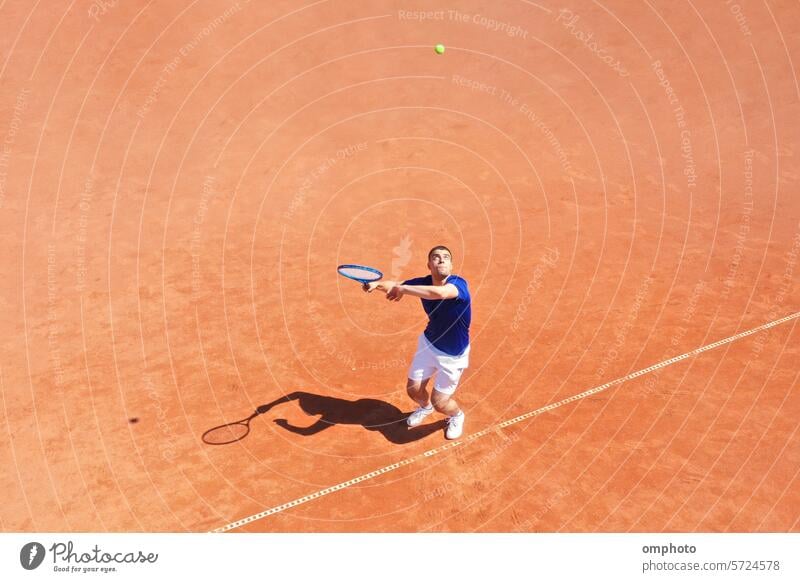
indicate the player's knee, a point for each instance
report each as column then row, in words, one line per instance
column 439, row 400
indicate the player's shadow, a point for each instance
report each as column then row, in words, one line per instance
column 373, row 415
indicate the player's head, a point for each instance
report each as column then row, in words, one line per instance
column 440, row 261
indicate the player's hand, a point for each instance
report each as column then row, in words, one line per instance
column 385, row 286
column 395, row 293
column 370, row 287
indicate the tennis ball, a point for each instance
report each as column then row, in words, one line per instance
column 439, row 48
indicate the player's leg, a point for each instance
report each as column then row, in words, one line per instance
column 419, row 374
column 444, row 403
column 448, row 374
column 417, row 390
column 449, row 370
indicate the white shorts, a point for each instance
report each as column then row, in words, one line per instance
column 448, row 369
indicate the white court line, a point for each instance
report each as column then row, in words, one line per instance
column 493, row 428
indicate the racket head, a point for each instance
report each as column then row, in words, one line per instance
column 359, row 273
column 227, row 433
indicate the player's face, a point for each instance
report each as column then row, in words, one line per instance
column 440, row 263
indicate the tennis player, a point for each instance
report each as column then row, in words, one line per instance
column 443, row 348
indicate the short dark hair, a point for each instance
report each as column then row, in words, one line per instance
column 439, row 248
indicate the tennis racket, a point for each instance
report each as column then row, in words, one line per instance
column 359, row 273
column 232, row 432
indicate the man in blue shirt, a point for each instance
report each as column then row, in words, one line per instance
column 443, row 348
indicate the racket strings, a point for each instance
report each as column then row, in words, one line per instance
column 359, row 273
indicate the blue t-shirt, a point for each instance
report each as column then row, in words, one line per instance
column 448, row 319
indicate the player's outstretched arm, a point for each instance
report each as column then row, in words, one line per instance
column 435, row 292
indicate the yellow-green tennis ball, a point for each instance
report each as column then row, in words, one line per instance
column 439, row 48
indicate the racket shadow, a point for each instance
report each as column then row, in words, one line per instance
column 369, row 413
column 232, row 432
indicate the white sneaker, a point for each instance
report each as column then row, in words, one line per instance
column 416, row 417
column 455, row 426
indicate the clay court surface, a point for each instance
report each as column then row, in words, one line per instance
column 618, row 182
